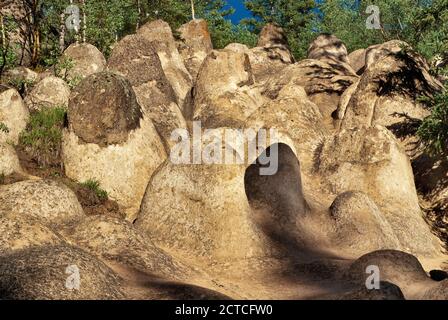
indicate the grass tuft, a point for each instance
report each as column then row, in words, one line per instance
column 42, row 138
column 94, row 186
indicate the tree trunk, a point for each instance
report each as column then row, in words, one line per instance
column 84, row 21
column 62, row 33
column 193, row 14
column 2, row 26
column 139, row 11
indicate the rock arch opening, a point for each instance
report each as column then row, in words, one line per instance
column 277, row 197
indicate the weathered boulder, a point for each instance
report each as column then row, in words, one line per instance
column 272, row 35
column 389, row 87
column 221, row 210
column 14, row 115
column 379, row 51
column 21, row 231
column 399, row 268
column 328, row 47
column 324, row 83
column 438, row 291
column 271, row 54
column 357, row 60
column 52, row 202
column 387, row 291
column 359, row 226
column 369, row 159
column 267, row 61
column 160, row 35
column 135, row 58
column 120, row 150
column 103, row 110
column 293, row 115
column 50, row 273
column 200, row 211
column 9, row 162
column 50, row 92
column 21, row 74
column 86, row 60
column 431, row 180
column 117, row 240
column 194, row 45
column 387, row 95
column 224, row 96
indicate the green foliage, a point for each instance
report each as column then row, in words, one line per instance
column 223, row 31
column 63, row 66
column 94, row 186
column 296, row 17
column 423, row 27
column 21, row 85
column 43, row 135
column 8, row 56
column 434, row 129
column 4, row 128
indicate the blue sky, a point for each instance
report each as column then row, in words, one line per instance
column 240, row 10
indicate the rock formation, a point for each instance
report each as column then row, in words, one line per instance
column 232, row 173
column 13, row 115
column 194, row 45
column 50, row 92
column 85, row 59
column 161, row 37
column 135, row 58
column 108, row 132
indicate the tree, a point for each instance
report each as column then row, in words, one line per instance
column 296, row 17
column 434, row 129
column 7, row 56
column 421, row 23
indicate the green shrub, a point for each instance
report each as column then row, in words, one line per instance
column 43, row 136
column 4, row 128
column 94, row 186
column 63, row 67
column 434, row 129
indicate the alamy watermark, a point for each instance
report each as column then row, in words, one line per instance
column 373, row 21
column 73, row 281
column 226, row 146
column 373, row 280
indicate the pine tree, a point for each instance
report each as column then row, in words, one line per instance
column 296, row 17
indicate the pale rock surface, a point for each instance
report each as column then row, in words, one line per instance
column 21, row 74
column 369, row 159
column 50, row 92
column 135, row 58
column 86, row 59
column 120, row 151
column 9, row 162
column 195, row 44
column 162, row 39
column 201, row 211
column 328, row 47
column 22, row 231
column 117, row 240
column 359, row 226
column 399, row 268
column 224, row 95
column 387, row 95
column 324, row 83
column 13, row 114
column 357, row 60
column 52, row 202
column 41, row 273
